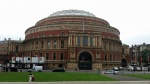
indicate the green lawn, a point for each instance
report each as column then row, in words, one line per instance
column 144, row 76
column 52, row 76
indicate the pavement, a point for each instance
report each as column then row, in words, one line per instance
column 120, row 77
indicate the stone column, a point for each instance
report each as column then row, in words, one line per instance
column 69, row 40
column 51, row 43
column 75, row 40
column 58, row 43
column 88, row 40
column 81, row 38
column 95, row 40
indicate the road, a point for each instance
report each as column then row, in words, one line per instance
column 121, row 77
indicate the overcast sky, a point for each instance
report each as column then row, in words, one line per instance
column 130, row 17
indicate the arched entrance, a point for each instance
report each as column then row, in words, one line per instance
column 85, row 61
column 124, row 62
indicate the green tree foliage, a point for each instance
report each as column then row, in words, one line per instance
column 145, row 54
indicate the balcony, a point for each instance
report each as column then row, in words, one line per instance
column 55, row 61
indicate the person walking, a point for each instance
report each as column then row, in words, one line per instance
column 31, row 77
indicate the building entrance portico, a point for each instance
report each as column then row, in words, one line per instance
column 85, row 61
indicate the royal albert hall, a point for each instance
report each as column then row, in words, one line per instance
column 74, row 39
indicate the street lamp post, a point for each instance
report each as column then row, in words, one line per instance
column 7, row 60
column 147, row 58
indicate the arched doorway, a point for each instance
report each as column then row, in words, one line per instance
column 85, row 61
column 124, row 62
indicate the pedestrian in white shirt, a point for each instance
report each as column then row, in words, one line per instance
column 30, row 77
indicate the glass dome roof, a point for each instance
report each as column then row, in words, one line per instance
column 71, row 12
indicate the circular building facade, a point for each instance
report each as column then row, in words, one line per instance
column 74, row 39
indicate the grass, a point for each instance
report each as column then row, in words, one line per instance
column 144, row 76
column 52, row 76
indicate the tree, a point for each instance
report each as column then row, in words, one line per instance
column 145, row 54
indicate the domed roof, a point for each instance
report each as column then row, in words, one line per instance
column 71, row 12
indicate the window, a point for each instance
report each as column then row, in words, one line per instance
column 36, row 45
column 104, row 45
column 40, row 54
column 16, row 49
column 54, row 56
column 55, row 43
column 47, row 56
column 114, row 57
column 48, row 44
column 113, row 46
column 42, row 34
column 32, row 45
column 79, row 41
column 123, row 51
column 105, row 57
column 91, row 41
column 42, row 45
column 118, row 58
column 109, row 46
column 28, row 45
column 61, row 56
column 62, row 33
column 62, row 44
column 85, row 41
column 110, row 57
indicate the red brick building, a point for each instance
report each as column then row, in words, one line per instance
column 73, row 39
column 3, row 51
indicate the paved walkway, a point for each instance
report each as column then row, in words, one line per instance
column 124, row 78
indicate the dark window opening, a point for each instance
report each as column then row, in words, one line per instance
column 105, row 57
column 42, row 45
column 54, row 56
column 62, row 44
column 61, row 56
column 62, row 33
column 47, row 56
column 91, row 41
